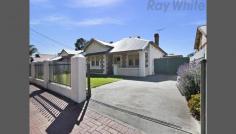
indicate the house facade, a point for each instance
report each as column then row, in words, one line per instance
column 200, row 44
column 65, row 55
column 130, row 56
column 41, row 57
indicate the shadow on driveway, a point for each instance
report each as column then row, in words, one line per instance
column 63, row 111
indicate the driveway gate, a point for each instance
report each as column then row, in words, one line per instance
column 169, row 65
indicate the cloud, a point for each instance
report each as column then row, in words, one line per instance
column 195, row 23
column 65, row 21
column 99, row 21
column 93, row 3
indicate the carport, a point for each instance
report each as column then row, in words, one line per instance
column 169, row 65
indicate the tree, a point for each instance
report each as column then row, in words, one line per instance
column 32, row 50
column 80, row 43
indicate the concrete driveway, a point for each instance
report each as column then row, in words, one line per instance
column 152, row 104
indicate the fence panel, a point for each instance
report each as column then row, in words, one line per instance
column 60, row 73
column 38, row 70
column 169, row 65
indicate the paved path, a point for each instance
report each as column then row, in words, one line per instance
column 152, row 104
column 53, row 114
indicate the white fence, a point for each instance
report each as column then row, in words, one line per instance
column 77, row 90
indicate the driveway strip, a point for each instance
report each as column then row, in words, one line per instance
column 164, row 123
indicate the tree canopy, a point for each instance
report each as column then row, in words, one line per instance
column 32, row 50
column 80, row 43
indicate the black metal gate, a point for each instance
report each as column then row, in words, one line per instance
column 88, row 82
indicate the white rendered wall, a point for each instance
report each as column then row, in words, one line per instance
column 142, row 63
column 77, row 91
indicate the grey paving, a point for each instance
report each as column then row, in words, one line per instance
column 154, row 97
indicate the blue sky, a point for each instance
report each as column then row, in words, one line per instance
column 110, row 20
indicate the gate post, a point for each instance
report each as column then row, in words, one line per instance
column 203, row 97
column 88, row 81
column 78, row 78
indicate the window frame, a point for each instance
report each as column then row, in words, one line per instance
column 134, row 59
column 95, row 61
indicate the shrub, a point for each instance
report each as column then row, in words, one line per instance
column 189, row 79
column 182, row 69
column 194, row 105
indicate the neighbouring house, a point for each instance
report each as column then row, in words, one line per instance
column 65, row 55
column 42, row 57
column 131, row 56
column 200, row 44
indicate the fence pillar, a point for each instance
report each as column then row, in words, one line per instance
column 78, row 78
column 46, row 73
column 141, row 63
column 32, row 70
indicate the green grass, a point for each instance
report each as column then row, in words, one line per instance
column 99, row 81
column 95, row 81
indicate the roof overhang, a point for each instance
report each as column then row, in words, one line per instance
column 90, row 54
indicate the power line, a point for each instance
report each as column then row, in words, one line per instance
column 49, row 38
column 35, row 36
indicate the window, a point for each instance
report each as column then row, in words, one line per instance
column 92, row 61
column 146, row 59
column 117, row 60
column 95, row 61
column 133, row 60
column 136, row 62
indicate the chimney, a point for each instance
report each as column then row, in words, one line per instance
column 156, row 39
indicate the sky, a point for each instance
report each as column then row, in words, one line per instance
column 57, row 24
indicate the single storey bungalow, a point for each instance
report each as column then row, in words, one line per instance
column 65, row 55
column 131, row 56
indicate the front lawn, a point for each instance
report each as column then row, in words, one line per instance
column 99, row 81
